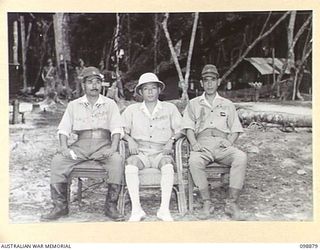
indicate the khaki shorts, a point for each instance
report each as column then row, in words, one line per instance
column 152, row 160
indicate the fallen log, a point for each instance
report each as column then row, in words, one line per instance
column 283, row 115
column 284, row 119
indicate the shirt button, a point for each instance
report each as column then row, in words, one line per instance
column 150, row 136
column 211, row 110
column 210, row 122
column 150, row 126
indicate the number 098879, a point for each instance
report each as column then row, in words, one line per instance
column 307, row 246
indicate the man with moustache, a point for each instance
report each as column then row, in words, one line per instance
column 151, row 128
column 212, row 127
column 97, row 122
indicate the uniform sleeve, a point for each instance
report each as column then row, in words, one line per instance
column 115, row 121
column 234, row 121
column 176, row 120
column 66, row 123
column 189, row 120
column 127, row 119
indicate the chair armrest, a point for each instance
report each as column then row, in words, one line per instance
column 182, row 152
column 122, row 149
column 181, row 156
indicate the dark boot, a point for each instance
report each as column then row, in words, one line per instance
column 110, row 209
column 59, row 193
column 232, row 208
column 207, row 207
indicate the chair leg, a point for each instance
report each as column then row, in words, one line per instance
column 181, row 199
column 122, row 204
column 176, row 192
column 224, row 186
column 79, row 193
column 190, row 193
column 69, row 190
column 121, row 200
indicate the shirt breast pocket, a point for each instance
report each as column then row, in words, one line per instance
column 221, row 119
column 162, row 124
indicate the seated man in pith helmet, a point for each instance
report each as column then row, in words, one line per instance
column 212, row 127
column 151, row 128
column 97, row 122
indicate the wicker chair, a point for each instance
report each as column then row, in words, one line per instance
column 218, row 174
column 90, row 169
column 150, row 178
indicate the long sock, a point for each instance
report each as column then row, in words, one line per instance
column 167, row 175
column 132, row 180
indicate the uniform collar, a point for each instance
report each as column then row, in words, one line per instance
column 85, row 101
column 144, row 108
column 203, row 99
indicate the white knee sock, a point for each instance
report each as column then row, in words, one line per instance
column 132, row 180
column 167, row 175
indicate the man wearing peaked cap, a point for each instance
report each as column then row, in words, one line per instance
column 96, row 120
column 92, row 72
column 212, row 127
column 151, row 128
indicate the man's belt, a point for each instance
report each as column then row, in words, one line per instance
column 212, row 132
column 94, row 134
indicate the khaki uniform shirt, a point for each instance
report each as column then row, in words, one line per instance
column 152, row 131
column 222, row 115
column 79, row 115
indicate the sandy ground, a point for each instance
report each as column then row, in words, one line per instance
column 278, row 180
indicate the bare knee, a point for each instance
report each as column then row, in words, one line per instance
column 165, row 161
column 133, row 160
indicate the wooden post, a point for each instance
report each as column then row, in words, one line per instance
column 15, row 43
column 24, row 52
column 274, row 74
column 15, row 111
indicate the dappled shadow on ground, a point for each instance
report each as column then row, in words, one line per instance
column 278, row 180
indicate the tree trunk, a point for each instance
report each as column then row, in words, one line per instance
column 24, row 53
column 43, row 49
column 63, row 52
column 290, row 59
column 184, row 96
column 109, row 55
column 61, row 34
column 248, row 116
column 305, row 54
column 290, row 39
column 171, row 47
column 15, row 43
column 129, row 42
column 258, row 39
column 183, row 81
column 296, row 37
column 155, row 41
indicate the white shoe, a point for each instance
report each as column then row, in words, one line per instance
column 164, row 215
column 135, row 217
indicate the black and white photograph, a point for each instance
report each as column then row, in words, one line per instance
column 160, row 116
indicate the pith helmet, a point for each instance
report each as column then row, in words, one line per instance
column 146, row 78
